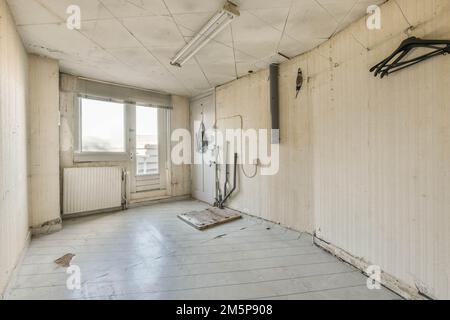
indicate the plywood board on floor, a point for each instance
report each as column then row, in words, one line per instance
column 209, row 218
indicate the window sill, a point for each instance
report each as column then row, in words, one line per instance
column 100, row 156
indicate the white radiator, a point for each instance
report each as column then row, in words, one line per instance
column 92, row 189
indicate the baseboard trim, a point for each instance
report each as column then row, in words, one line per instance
column 157, row 201
column 90, row 213
column 131, row 205
column 387, row 280
column 390, row 282
column 15, row 270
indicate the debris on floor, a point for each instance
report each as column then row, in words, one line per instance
column 220, row 236
column 209, row 218
column 65, row 260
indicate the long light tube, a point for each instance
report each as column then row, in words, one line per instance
column 211, row 29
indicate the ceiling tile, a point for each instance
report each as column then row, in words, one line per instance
column 131, row 77
column 220, row 73
column 82, row 68
column 190, row 74
column 275, row 17
column 263, row 4
column 165, row 54
column 357, row 11
column 254, row 37
column 244, row 63
column 109, row 34
column 250, row 28
column 90, row 9
column 56, row 37
column 259, row 50
column 140, row 60
column 339, row 9
column 136, row 8
column 276, row 58
column 194, row 6
column 30, row 12
column 192, row 77
column 191, row 23
column 244, row 68
column 309, row 20
column 290, row 46
column 215, row 53
column 242, row 57
column 155, row 31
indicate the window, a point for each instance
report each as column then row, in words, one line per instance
column 102, row 127
column 147, row 154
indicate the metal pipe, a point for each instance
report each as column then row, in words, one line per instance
column 227, row 196
column 227, row 175
column 275, row 102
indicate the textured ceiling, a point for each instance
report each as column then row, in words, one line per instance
column 132, row 41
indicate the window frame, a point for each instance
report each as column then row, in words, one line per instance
column 163, row 154
column 93, row 156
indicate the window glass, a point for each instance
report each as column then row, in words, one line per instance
column 147, row 153
column 102, row 126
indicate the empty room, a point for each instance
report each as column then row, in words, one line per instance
column 214, row 150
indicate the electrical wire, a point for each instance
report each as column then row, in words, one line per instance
column 242, row 144
column 248, row 176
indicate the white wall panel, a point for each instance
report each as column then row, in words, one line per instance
column 365, row 163
column 180, row 174
column 13, row 146
column 43, row 141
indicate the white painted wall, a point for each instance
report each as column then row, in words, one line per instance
column 13, row 146
column 364, row 162
column 203, row 187
column 286, row 197
column 43, row 140
column 181, row 174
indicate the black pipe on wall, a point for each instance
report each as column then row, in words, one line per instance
column 227, row 196
column 275, row 102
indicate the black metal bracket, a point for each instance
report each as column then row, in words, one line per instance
column 395, row 62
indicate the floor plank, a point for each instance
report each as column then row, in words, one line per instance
column 148, row 253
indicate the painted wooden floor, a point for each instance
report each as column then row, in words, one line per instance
column 148, row 253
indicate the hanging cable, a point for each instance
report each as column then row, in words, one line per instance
column 242, row 143
column 201, row 140
column 248, row 176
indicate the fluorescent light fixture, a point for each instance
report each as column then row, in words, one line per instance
column 211, row 29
